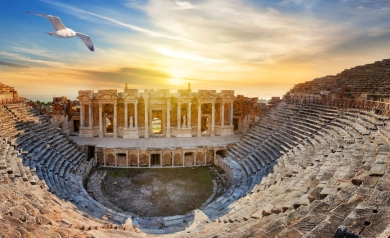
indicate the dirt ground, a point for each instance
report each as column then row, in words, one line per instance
column 158, row 192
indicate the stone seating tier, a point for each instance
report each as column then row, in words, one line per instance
column 327, row 173
column 291, row 176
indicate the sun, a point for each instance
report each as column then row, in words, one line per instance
column 175, row 81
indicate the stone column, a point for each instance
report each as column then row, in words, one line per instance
column 231, row 114
column 196, row 152
column 168, row 119
column 189, row 116
column 104, row 157
column 205, row 157
column 82, row 114
column 127, row 159
column 222, row 114
column 146, row 120
column 137, row 158
column 178, row 116
column 116, row 164
column 161, row 160
column 172, row 155
column 149, row 159
column 199, row 120
column 90, row 114
column 182, row 153
column 126, row 116
column 100, row 120
column 212, row 118
column 136, row 115
column 115, row 121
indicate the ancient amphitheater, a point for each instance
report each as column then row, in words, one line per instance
column 316, row 165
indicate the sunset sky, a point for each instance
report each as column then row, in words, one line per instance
column 257, row 48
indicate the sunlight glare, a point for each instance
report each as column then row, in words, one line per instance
column 175, row 81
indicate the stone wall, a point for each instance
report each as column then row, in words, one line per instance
column 370, row 81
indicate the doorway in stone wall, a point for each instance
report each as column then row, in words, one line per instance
column 189, row 159
column 155, row 160
column 157, row 122
column 205, row 125
column 76, row 126
column 236, row 123
column 109, row 125
column 91, row 152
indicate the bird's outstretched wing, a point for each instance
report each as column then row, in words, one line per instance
column 55, row 21
column 87, row 41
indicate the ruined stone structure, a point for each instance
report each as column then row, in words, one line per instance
column 8, row 95
column 154, row 113
column 59, row 113
column 312, row 167
column 368, row 82
column 131, row 114
column 157, row 157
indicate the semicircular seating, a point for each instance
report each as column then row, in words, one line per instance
column 303, row 170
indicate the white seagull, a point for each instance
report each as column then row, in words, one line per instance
column 63, row 32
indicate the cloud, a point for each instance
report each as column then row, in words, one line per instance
column 186, row 56
column 233, row 31
column 20, row 57
column 130, row 26
column 238, row 32
column 12, row 65
column 132, row 75
column 184, row 4
column 307, row 4
column 218, row 44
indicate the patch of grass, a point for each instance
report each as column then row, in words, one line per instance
column 204, row 176
column 118, row 173
column 158, row 192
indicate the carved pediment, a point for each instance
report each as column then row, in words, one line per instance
column 163, row 93
column 206, row 94
column 107, row 97
column 227, row 93
column 184, row 93
column 85, row 98
column 130, row 95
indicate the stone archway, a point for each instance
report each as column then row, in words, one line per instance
column 199, row 158
column 167, row 159
column 133, row 160
column 110, row 159
column 189, row 159
column 143, row 159
column 121, row 159
column 178, row 160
